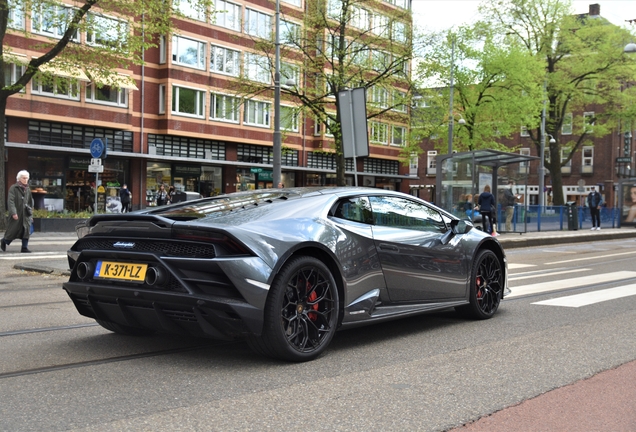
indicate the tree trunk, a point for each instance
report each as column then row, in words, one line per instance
column 555, row 175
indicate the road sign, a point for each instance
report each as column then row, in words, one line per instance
column 623, row 159
column 97, row 148
column 96, row 161
column 96, row 168
column 256, row 170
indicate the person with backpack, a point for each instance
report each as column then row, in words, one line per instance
column 487, row 206
column 125, row 196
column 594, row 202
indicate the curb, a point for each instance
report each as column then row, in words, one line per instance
column 512, row 243
column 42, row 269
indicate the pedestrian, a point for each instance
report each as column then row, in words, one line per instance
column 486, row 204
column 509, row 202
column 171, row 195
column 594, row 202
column 20, row 206
column 126, row 197
column 162, row 196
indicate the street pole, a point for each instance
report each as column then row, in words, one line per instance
column 276, row 174
column 452, row 91
column 542, row 152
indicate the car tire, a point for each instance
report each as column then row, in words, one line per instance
column 301, row 313
column 486, row 286
column 125, row 330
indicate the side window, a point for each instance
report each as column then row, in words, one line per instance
column 403, row 213
column 354, row 209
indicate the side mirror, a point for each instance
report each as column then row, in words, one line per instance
column 462, row 226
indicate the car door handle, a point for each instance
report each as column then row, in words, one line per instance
column 389, row 247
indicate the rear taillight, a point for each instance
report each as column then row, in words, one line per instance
column 225, row 245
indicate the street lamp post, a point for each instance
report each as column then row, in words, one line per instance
column 276, row 168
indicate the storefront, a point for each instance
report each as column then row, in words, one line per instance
column 63, row 183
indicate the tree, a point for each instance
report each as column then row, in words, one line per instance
column 584, row 69
column 495, row 88
column 92, row 36
column 342, row 44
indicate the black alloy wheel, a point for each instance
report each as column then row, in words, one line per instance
column 301, row 314
column 486, row 286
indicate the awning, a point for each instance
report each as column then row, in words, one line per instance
column 63, row 71
column 115, row 80
column 11, row 57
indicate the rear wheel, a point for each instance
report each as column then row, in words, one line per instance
column 122, row 329
column 301, row 314
column 486, row 286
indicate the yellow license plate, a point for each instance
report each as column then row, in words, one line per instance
column 121, row 271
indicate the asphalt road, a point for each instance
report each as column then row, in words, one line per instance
column 59, row 371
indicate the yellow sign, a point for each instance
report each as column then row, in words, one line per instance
column 101, row 189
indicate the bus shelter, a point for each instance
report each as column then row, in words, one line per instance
column 464, row 176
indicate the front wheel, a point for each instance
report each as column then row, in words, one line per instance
column 301, row 313
column 486, row 286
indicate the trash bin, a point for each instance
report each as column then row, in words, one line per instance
column 573, row 215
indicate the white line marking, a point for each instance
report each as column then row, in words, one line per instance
column 535, row 275
column 594, row 257
column 31, row 256
column 518, row 266
column 569, row 283
column 589, row 298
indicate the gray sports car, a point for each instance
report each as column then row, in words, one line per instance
column 282, row 268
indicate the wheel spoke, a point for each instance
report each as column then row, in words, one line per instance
column 488, row 284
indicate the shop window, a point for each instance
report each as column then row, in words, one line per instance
column 188, row 52
column 225, row 60
column 225, row 108
column 256, row 113
column 258, row 23
column 50, row 20
column 227, row 15
column 107, row 95
column 188, row 101
column 106, row 32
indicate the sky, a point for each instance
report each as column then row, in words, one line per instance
column 435, row 15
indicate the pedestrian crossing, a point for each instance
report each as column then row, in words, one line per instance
column 576, row 300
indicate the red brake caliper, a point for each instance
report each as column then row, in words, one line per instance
column 479, row 282
column 311, row 298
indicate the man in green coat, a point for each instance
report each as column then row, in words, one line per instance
column 20, row 213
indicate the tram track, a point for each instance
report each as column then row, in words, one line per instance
column 108, row 360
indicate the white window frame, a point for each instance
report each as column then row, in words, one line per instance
column 227, row 15
column 106, row 31
column 588, row 125
column 16, row 15
column 379, row 133
column 398, row 31
column 431, row 162
column 182, row 45
column 398, row 96
column 195, row 12
column 257, row 113
column 380, row 25
column 72, row 91
column 162, row 98
column 380, row 60
column 334, row 9
column 567, row 168
column 289, row 33
column 296, row 3
column 37, row 18
column 163, row 50
column 199, row 101
column 121, row 95
column 360, row 18
column 398, row 136
column 12, row 72
column 379, row 96
column 219, row 52
column 289, row 116
column 256, row 68
column 587, row 159
column 524, row 131
column 567, row 126
column 258, row 23
column 289, row 71
column 225, row 108
column 524, row 165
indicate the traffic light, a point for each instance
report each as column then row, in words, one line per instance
column 628, row 143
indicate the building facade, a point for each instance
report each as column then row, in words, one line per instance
column 176, row 121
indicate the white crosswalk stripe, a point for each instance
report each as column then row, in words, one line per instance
column 592, row 297
column 544, row 287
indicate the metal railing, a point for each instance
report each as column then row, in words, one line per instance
column 554, row 218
